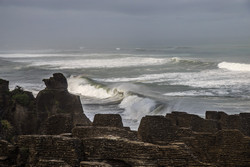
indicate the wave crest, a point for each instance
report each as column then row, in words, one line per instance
column 87, row 87
column 234, row 66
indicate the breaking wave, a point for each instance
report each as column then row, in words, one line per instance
column 134, row 105
column 86, row 87
column 235, row 66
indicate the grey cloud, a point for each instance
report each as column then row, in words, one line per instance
column 72, row 23
column 131, row 6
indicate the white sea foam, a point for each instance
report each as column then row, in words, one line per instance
column 234, row 66
column 208, row 79
column 99, row 63
column 82, row 87
column 142, row 78
column 190, row 93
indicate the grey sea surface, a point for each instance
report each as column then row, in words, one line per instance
column 140, row 81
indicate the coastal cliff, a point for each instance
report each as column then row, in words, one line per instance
column 52, row 130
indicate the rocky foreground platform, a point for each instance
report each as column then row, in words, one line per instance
column 52, row 130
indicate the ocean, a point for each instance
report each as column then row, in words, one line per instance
column 135, row 82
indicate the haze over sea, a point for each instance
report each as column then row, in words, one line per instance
column 135, row 82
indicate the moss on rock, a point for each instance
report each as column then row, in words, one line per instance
column 22, row 99
column 20, row 96
column 6, row 125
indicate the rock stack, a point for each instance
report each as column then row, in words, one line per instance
column 58, row 110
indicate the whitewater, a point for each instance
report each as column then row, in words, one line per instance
column 138, row 82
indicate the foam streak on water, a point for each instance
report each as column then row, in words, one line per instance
column 84, row 61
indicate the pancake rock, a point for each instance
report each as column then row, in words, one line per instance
column 58, row 110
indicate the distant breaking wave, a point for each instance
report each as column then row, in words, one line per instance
column 196, row 62
column 80, row 61
column 99, row 63
column 234, row 66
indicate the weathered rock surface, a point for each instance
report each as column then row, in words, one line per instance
column 83, row 132
column 58, row 110
column 105, row 125
column 238, row 121
column 58, row 81
column 7, row 154
column 210, row 143
column 224, row 148
column 94, row 164
column 157, row 130
column 111, row 120
column 54, row 163
column 47, row 147
column 122, row 152
column 194, row 122
column 4, row 96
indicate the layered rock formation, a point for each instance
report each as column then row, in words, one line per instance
column 217, row 140
column 177, row 139
column 105, row 125
column 45, row 149
column 58, row 110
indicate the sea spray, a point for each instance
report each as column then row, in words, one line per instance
column 136, row 107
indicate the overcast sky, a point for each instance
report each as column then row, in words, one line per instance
column 70, row 24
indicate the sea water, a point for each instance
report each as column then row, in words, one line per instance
column 136, row 82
